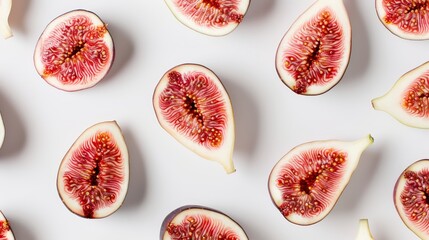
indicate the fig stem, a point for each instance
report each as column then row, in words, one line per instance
column 364, row 232
column 228, row 166
column 5, row 7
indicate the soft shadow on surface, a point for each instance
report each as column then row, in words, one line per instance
column 253, row 231
column 18, row 13
column 246, row 117
column 124, row 50
column 19, row 230
column 15, row 136
column 259, row 9
column 138, row 180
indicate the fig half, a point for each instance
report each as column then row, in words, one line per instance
column 363, row 232
column 192, row 105
column 308, row 181
column 314, row 53
column 200, row 223
column 210, row 17
column 75, row 51
column 407, row 19
column 5, row 229
column 5, row 7
column 411, row 197
column 93, row 176
column 407, row 101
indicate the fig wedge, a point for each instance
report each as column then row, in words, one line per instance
column 200, row 223
column 5, row 229
column 5, row 7
column 313, row 55
column 407, row 101
column 192, row 105
column 363, row 232
column 93, row 176
column 308, row 181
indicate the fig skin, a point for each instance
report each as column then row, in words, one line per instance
column 224, row 153
column 417, row 166
column 96, row 78
column 71, row 201
column 322, row 203
column 172, row 215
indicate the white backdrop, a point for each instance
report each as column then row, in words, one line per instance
column 42, row 123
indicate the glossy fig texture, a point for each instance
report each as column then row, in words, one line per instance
column 75, row 51
column 200, row 223
column 408, row 19
column 210, row 17
column 313, row 55
column 192, row 105
column 407, row 100
column 308, row 181
column 364, row 232
column 93, row 176
column 5, row 229
column 411, row 196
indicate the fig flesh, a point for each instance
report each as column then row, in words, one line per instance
column 192, row 105
column 5, row 229
column 93, row 176
column 210, row 17
column 5, row 7
column 308, row 181
column 363, row 232
column 313, row 55
column 200, row 223
column 411, row 196
column 75, row 51
column 2, row 131
column 407, row 100
column 408, row 19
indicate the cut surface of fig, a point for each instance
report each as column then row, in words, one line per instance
column 200, row 223
column 411, row 196
column 307, row 182
column 407, row 100
column 5, row 229
column 314, row 53
column 192, row 105
column 211, row 17
column 408, row 19
column 93, row 176
column 75, row 51
column 5, row 7
column 364, row 232
column 2, row 131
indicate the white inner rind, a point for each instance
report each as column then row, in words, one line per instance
column 9, row 234
column 216, row 216
column 340, row 13
column 354, row 150
column 2, row 131
column 212, row 31
column 381, row 13
column 73, row 203
column 391, row 102
column 52, row 80
column 363, row 232
column 222, row 154
column 400, row 185
column 5, row 7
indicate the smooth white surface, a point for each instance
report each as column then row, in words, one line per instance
column 42, row 122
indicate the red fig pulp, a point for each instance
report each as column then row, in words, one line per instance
column 75, row 51
column 192, row 105
column 94, row 174
column 5, row 229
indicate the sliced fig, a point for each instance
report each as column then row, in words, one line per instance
column 200, row 223
column 210, row 17
column 2, row 131
column 5, row 229
column 407, row 101
column 411, row 197
column 364, row 233
column 408, row 19
column 314, row 53
column 5, row 7
column 75, row 51
column 307, row 182
column 192, row 105
column 93, row 176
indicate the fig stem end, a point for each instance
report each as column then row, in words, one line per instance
column 364, row 232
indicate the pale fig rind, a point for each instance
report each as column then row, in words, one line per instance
column 364, row 232
column 210, row 215
column 2, row 131
column 93, row 177
column 221, row 153
column 407, row 101
column 6, row 232
column 305, row 71
column 213, row 18
column 5, row 7
column 410, row 197
column 322, row 170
